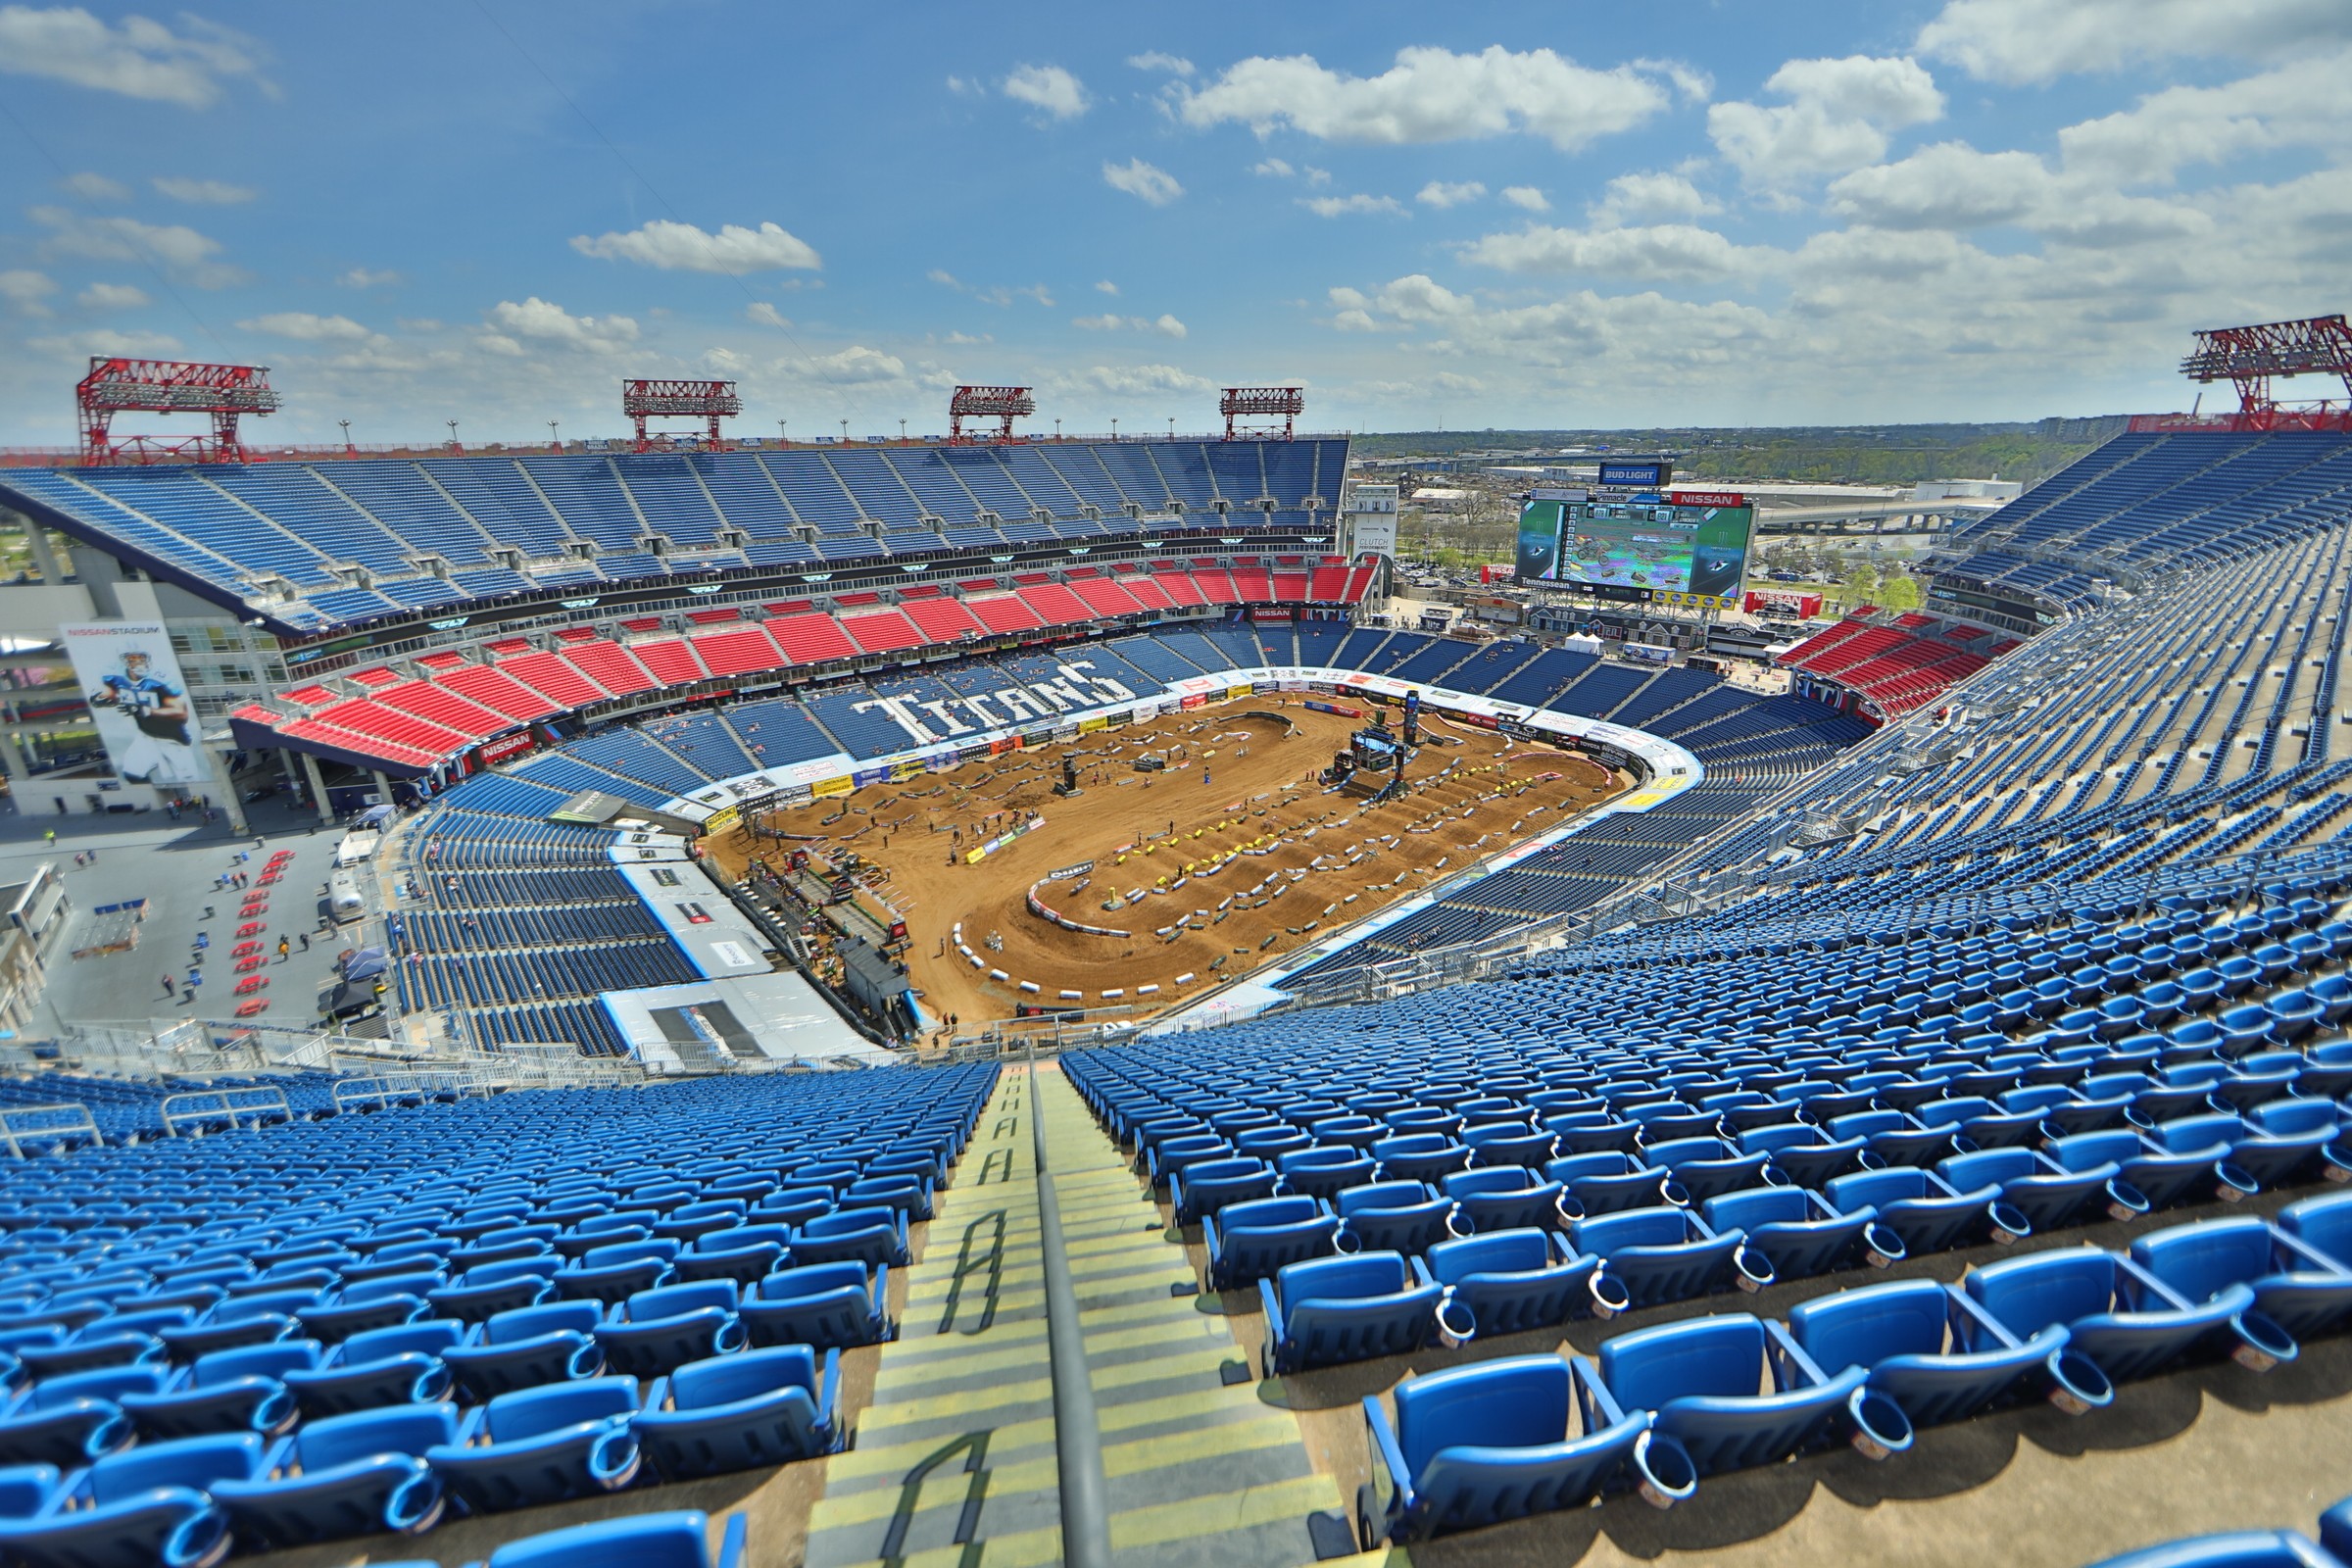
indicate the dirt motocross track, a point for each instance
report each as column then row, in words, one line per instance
column 1275, row 859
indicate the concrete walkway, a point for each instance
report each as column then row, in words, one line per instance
column 954, row 1460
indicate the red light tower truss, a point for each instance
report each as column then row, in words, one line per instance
column 708, row 400
column 1002, row 404
column 2249, row 356
column 169, row 386
column 1265, row 403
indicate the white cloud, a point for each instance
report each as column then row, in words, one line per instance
column 305, row 328
column 1273, row 169
column 1048, row 88
column 997, row 294
column 966, row 87
column 1694, row 84
column 1317, row 176
column 203, row 192
column 1144, row 180
column 106, row 341
column 1651, row 195
column 539, row 321
column 1132, row 381
column 857, row 364
column 2032, row 41
column 1441, row 194
column 762, row 314
column 1951, row 185
column 1345, row 206
column 174, row 246
column 365, row 277
column 96, row 187
column 112, row 297
column 25, row 290
column 1527, row 198
column 682, row 247
column 1154, row 60
column 968, row 339
column 1164, row 326
column 140, row 59
column 1431, row 95
column 1107, row 287
column 2301, row 104
column 1838, row 117
column 1650, row 254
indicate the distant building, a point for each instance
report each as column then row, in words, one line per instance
column 1369, row 521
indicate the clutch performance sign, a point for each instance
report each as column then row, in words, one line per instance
column 139, row 699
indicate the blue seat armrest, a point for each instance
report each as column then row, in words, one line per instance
column 1420, row 1271
column 2300, row 1256
column 1594, row 1403
column 2142, row 1291
column 731, row 1545
column 656, row 1392
column 1392, row 1482
column 1976, row 1329
column 471, row 1424
column 1272, row 1302
column 828, row 1394
column 1791, row 1367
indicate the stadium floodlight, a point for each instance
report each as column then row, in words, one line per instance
column 644, row 399
column 117, row 386
column 1002, row 404
column 2250, row 357
column 1265, row 404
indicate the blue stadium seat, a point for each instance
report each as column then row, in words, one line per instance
column 347, row 1475
column 1351, row 1308
column 541, row 1445
column 1478, row 1446
column 738, row 1412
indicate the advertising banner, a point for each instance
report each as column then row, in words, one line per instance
column 514, row 746
column 139, row 699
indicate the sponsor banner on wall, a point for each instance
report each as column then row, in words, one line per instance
column 793, row 795
column 723, row 819
column 869, row 775
column 1245, row 688
column 1065, row 732
column 139, row 700
column 514, row 746
column 1195, row 702
column 826, row 787
column 1087, row 726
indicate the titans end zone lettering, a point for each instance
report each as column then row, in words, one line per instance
column 1073, row 690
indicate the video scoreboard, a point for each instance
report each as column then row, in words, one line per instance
column 1645, row 546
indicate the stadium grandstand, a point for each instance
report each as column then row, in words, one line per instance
column 1916, row 1088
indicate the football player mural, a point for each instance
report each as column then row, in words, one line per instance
column 139, row 700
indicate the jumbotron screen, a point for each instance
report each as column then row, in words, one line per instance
column 1684, row 541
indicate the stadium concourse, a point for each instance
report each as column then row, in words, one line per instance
column 1901, row 1133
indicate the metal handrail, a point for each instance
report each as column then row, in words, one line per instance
column 386, row 1090
column 256, row 1106
column 1077, row 1433
column 16, row 1136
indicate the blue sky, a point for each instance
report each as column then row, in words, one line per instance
column 1475, row 214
